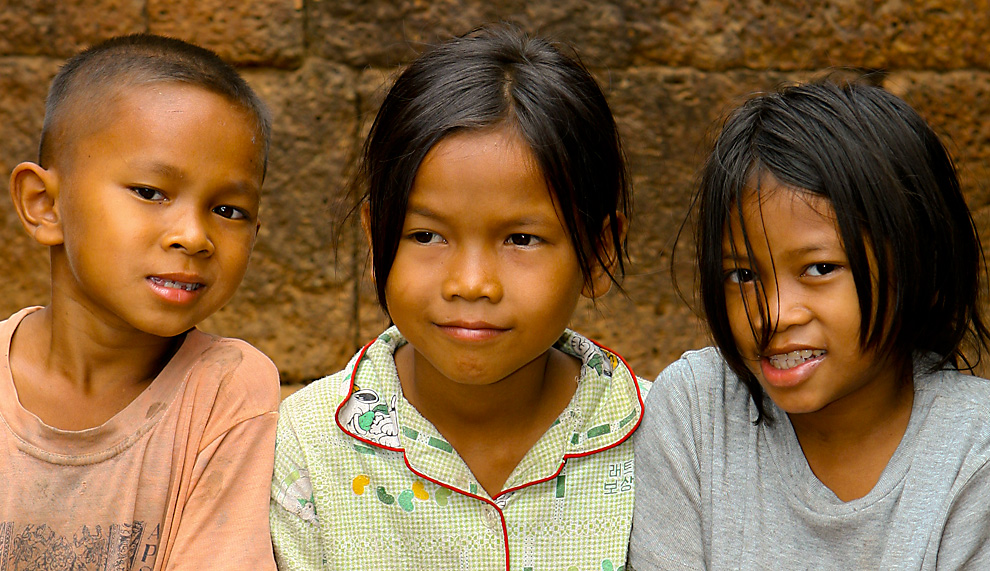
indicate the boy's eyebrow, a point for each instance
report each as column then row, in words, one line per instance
column 163, row 169
column 173, row 172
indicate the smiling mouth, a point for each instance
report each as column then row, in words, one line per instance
column 172, row 284
column 794, row 358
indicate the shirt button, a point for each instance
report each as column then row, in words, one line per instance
column 490, row 516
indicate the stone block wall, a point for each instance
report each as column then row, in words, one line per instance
column 670, row 68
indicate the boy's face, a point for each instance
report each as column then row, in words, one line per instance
column 158, row 209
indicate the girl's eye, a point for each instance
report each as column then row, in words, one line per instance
column 425, row 237
column 523, row 240
column 147, row 193
column 740, row 276
column 820, row 269
column 231, row 212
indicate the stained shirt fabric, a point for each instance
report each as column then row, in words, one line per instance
column 716, row 490
column 363, row 481
column 178, row 479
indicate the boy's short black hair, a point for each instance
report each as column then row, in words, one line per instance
column 489, row 78
column 92, row 75
column 897, row 201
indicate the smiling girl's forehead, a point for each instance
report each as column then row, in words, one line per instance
column 770, row 207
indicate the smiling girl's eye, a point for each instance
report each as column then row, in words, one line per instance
column 148, row 193
column 424, row 237
column 820, row 269
column 523, row 240
column 231, row 212
column 740, row 276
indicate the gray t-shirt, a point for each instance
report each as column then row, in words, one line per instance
column 714, row 490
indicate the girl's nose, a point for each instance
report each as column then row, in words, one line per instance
column 786, row 305
column 188, row 232
column 472, row 274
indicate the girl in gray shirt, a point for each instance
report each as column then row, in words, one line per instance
column 840, row 273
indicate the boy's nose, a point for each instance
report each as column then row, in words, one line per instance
column 472, row 275
column 190, row 235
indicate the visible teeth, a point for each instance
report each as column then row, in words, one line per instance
column 177, row 285
column 794, row 358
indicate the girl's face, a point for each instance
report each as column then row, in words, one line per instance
column 814, row 358
column 485, row 278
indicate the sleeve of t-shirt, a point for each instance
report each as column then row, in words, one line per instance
column 293, row 518
column 667, row 528
column 224, row 522
column 965, row 541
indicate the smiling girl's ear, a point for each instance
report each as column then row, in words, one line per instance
column 599, row 282
column 34, row 192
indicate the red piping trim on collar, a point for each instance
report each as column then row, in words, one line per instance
column 501, row 516
column 505, row 530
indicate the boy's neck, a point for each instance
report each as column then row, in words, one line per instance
column 491, row 426
column 75, row 374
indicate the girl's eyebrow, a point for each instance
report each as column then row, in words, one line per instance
column 420, row 210
column 524, row 220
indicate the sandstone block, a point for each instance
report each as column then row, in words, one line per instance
column 82, row 23
column 722, row 34
column 387, row 33
column 25, row 26
column 267, row 32
column 23, row 86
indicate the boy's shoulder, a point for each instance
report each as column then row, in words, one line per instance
column 317, row 401
column 233, row 373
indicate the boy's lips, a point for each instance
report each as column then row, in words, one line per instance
column 176, row 288
column 175, row 283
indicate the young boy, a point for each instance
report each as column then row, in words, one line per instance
column 129, row 439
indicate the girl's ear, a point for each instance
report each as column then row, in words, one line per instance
column 599, row 283
column 34, row 192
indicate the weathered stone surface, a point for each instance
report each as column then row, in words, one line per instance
column 25, row 26
column 264, row 32
column 23, row 85
column 82, row 23
column 386, row 32
column 724, row 34
column 957, row 105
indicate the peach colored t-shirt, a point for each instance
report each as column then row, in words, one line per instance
column 179, row 479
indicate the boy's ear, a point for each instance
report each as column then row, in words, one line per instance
column 599, row 283
column 34, row 192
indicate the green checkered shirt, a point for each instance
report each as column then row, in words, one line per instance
column 363, row 481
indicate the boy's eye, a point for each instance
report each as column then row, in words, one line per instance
column 523, row 240
column 230, row 212
column 424, row 237
column 820, row 269
column 147, row 193
column 740, row 276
